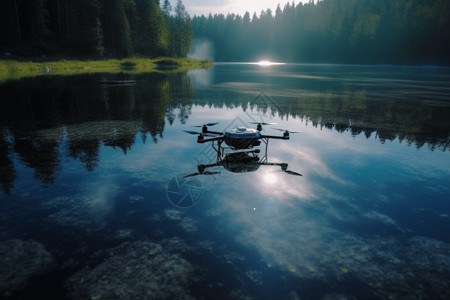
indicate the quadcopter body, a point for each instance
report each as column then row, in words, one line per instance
column 239, row 137
column 242, row 137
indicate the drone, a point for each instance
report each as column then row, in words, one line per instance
column 239, row 137
column 240, row 162
column 241, row 157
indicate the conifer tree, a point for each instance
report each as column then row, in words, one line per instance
column 181, row 31
column 117, row 32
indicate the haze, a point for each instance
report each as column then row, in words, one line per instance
column 205, row 7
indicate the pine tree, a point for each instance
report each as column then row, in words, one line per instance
column 116, row 27
column 84, row 35
column 166, row 8
column 181, row 31
column 152, row 36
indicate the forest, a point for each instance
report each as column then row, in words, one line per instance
column 325, row 31
column 94, row 28
column 334, row 31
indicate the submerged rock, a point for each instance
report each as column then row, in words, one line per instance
column 20, row 261
column 139, row 270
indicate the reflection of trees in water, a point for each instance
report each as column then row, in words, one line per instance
column 39, row 115
column 417, row 122
column 42, row 156
column 85, row 115
column 7, row 171
column 153, row 108
column 86, row 152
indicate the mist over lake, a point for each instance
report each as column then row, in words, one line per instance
column 105, row 196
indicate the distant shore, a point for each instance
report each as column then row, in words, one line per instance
column 11, row 69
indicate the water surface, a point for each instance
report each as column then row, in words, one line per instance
column 90, row 174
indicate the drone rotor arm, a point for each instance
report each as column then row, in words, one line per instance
column 274, row 137
column 216, row 138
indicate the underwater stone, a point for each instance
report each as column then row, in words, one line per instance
column 20, row 261
column 139, row 270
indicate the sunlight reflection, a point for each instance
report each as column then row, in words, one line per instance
column 265, row 63
column 101, row 195
column 270, row 178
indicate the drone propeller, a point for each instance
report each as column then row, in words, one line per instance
column 289, row 172
column 203, row 173
column 195, row 132
column 262, row 123
column 191, row 132
column 207, row 124
column 285, row 170
column 292, row 173
column 280, row 129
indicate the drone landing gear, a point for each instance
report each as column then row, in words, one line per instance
column 222, row 151
column 266, row 141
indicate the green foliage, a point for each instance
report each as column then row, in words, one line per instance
column 181, row 35
column 11, row 70
column 86, row 28
column 339, row 31
column 85, row 35
column 128, row 65
column 167, row 62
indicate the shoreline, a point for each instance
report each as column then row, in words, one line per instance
column 14, row 70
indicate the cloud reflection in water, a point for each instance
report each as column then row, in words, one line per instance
column 313, row 226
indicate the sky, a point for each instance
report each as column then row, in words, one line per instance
column 204, row 7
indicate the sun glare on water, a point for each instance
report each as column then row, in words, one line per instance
column 270, row 178
column 265, row 63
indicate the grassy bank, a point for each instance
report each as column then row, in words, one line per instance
column 10, row 69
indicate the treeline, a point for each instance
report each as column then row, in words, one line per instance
column 336, row 31
column 113, row 28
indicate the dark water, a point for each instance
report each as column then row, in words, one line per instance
column 89, row 174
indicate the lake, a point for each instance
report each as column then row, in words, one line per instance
column 105, row 196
